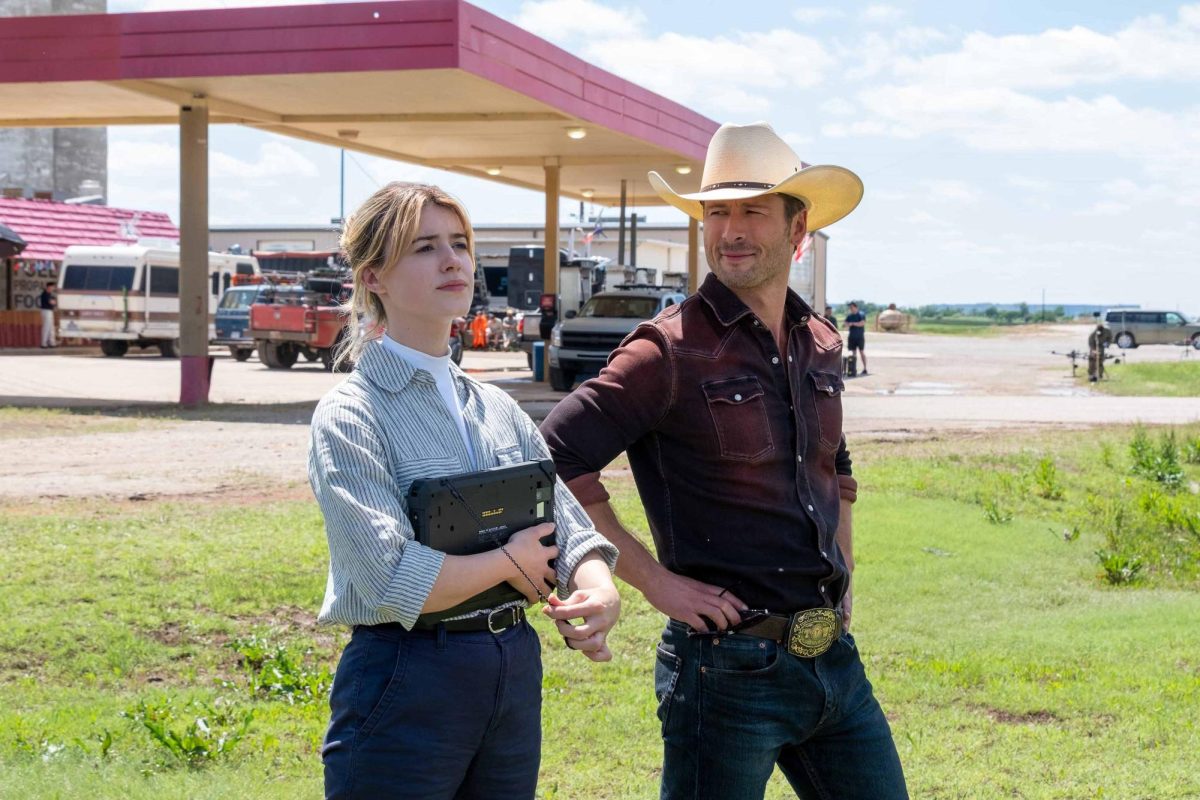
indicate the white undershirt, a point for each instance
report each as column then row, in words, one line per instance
column 439, row 368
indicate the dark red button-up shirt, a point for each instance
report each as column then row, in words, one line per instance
column 737, row 449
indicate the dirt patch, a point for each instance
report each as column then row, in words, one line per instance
column 1025, row 718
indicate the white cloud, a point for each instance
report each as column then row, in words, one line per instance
column 1001, row 120
column 837, row 107
column 881, row 14
column 877, row 52
column 1026, row 182
column 950, row 191
column 142, row 158
column 1149, row 48
column 810, row 15
column 276, row 160
column 566, row 19
column 731, row 74
column 795, row 139
column 924, row 218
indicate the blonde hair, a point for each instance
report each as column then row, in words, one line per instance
column 376, row 237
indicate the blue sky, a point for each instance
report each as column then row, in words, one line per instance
column 1008, row 149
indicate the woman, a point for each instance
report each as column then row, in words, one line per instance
column 421, row 708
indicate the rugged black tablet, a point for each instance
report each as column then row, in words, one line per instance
column 478, row 511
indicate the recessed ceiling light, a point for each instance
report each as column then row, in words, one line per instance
column 588, row 193
column 493, row 170
column 576, row 133
column 683, row 169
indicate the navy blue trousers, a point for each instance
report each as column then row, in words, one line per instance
column 428, row 715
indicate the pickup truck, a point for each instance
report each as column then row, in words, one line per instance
column 287, row 321
column 582, row 343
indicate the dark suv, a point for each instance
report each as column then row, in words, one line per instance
column 1133, row 327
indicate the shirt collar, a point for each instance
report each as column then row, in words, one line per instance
column 387, row 369
column 729, row 308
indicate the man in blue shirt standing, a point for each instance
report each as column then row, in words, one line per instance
column 856, row 322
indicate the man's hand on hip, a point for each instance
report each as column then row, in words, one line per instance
column 694, row 603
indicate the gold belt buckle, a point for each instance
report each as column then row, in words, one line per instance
column 812, row 632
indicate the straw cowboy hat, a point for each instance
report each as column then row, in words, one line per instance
column 751, row 160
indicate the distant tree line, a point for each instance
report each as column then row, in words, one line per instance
column 1020, row 314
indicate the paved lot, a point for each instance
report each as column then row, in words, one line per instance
column 256, row 434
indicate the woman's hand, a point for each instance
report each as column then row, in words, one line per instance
column 597, row 609
column 533, row 559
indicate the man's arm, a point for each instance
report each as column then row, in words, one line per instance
column 685, row 599
column 845, row 542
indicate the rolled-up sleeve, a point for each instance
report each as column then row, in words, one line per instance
column 386, row 575
column 575, row 534
column 594, row 424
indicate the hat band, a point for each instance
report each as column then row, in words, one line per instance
column 736, row 185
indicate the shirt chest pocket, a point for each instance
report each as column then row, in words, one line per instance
column 739, row 415
column 827, row 399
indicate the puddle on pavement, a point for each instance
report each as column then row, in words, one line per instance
column 1064, row 391
column 924, row 388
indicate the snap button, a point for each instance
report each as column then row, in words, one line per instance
column 737, row 397
column 774, row 359
column 801, row 458
column 810, row 508
column 789, row 359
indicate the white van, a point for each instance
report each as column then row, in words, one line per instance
column 129, row 295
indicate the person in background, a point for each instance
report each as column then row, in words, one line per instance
column 479, row 326
column 829, row 316
column 47, row 302
column 856, row 340
column 426, row 704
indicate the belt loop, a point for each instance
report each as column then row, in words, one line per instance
column 441, row 637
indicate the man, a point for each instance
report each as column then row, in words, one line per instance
column 46, row 304
column 829, row 315
column 729, row 407
column 856, row 323
column 1098, row 340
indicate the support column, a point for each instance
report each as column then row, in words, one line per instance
column 195, row 367
column 693, row 262
column 550, row 270
column 621, row 233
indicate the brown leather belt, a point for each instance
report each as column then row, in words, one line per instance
column 806, row 634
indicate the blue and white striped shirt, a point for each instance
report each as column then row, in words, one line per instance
column 372, row 436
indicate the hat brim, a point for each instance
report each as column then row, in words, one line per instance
column 829, row 193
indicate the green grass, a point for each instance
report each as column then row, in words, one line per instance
column 1008, row 666
column 1159, row 379
column 28, row 423
column 959, row 326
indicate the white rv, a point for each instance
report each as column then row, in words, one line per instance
column 129, row 295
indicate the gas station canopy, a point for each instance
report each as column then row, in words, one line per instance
column 433, row 82
column 439, row 83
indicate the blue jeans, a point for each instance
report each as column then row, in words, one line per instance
column 434, row 715
column 732, row 707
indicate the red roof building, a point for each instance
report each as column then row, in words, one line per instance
column 49, row 228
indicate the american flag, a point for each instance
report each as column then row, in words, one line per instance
column 802, row 248
column 596, row 231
